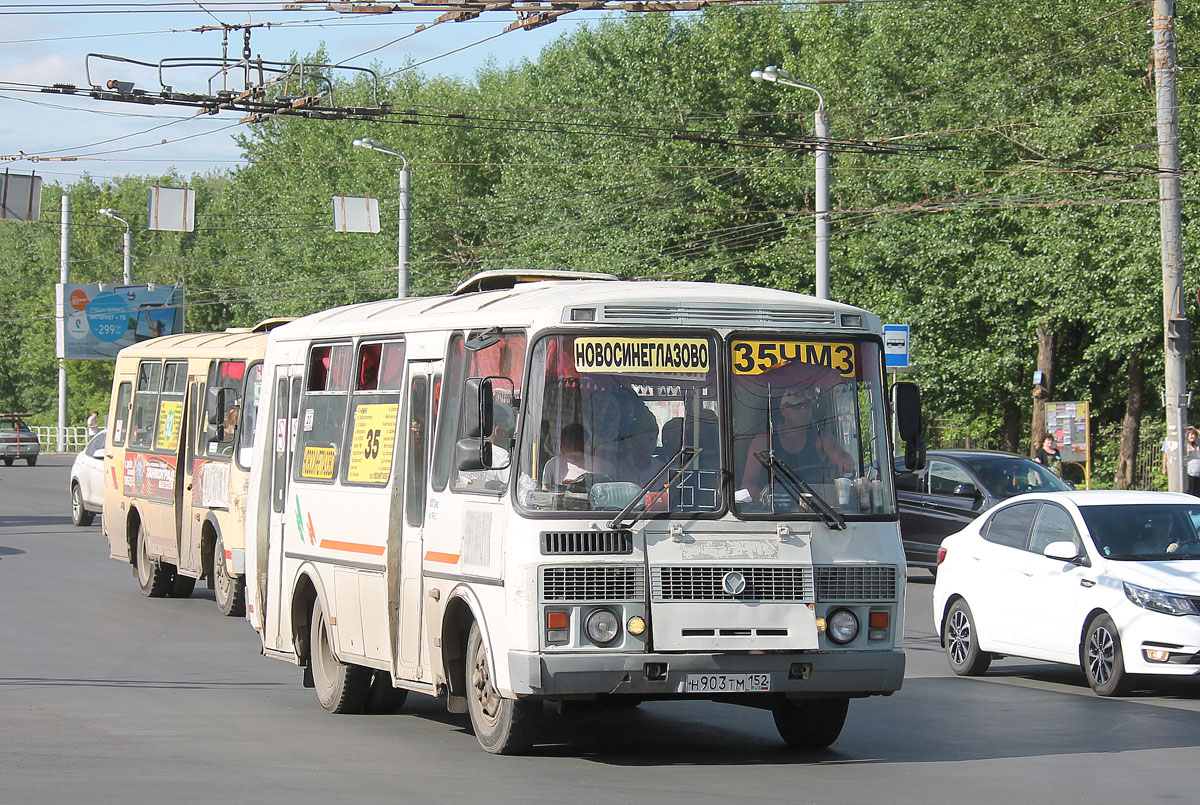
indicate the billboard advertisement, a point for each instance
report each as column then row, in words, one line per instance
column 96, row 321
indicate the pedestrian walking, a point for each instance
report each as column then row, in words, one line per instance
column 93, row 424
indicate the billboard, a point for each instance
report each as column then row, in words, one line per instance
column 96, row 321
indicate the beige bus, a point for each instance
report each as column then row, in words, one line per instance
column 176, row 467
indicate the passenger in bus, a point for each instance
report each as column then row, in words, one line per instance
column 636, row 460
column 797, row 440
column 569, row 467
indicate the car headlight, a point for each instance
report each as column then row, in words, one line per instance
column 602, row 626
column 1158, row 601
column 842, row 626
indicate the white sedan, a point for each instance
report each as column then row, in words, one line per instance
column 1108, row 581
column 87, row 481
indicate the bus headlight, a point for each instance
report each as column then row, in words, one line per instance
column 842, row 626
column 602, row 626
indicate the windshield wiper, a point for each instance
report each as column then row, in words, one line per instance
column 800, row 490
column 615, row 523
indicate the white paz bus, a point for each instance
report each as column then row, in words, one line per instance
column 567, row 487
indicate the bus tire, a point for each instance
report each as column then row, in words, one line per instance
column 181, row 586
column 341, row 687
column 810, row 723
column 503, row 726
column 153, row 577
column 383, row 699
column 79, row 515
column 231, row 592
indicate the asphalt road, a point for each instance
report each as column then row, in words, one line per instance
column 106, row 696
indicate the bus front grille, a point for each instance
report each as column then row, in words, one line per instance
column 856, row 583
column 602, row 583
column 587, row 542
column 703, row 583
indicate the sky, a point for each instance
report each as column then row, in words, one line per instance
column 112, row 139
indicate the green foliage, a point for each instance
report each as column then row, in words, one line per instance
column 1009, row 188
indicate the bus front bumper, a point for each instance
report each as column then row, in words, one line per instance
column 816, row 673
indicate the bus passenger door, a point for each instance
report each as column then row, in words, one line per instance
column 282, row 433
column 189, row 519
column 424, row 380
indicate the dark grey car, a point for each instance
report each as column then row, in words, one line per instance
column 954, row 487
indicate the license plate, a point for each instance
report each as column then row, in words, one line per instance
column 727, row 683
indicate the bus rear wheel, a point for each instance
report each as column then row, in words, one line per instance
column 231, row 593
column 503, row 726
column 341, row 687
column 153, row 577
column 810, row 723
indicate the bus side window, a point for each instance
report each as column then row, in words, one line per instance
column 120, row 417
column 145, row 404
column 369, row 440
column 505, row 358
column 323, row 413
column 418, row 451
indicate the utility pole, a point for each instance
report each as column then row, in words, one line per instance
column 64, row 276
column 1177, row 330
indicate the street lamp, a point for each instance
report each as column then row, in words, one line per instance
column 127, row 269
column 402, row 250
column 777, row 75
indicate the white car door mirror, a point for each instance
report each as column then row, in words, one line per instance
column 1064, row 550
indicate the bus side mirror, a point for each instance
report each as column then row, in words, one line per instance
column 216, row 406
column 906, row 402
column 472, row 454
column 478, row 407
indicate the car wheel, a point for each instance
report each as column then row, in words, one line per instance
column 962, row 642
column 8, row 462
column 79, row 515
column 31, row 461
column 1103, row 664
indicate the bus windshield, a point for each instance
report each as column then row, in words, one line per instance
column 617, row 419
column 809, row 428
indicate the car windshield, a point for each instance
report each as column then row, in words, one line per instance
column 1145, row 532
column 1005, row 477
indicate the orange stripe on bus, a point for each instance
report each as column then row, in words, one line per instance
column 352, row 547
column 438, row 556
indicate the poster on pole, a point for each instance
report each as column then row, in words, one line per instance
column 1067, row 422
column 356, row 214
column 96, row 321
column 172, row 209
column 20, row 196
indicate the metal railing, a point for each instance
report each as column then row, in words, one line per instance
column 54, row 439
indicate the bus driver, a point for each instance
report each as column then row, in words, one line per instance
column 795, row 437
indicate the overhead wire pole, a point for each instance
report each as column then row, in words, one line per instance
column 405, row 201
column 777, row 75
column 1177, row 333
column 64, row 276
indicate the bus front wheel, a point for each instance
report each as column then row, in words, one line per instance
column 341, row 687
column 810, row 723
column 503, row 726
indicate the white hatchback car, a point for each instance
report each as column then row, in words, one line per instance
column 1108, row 581
column 87, row 481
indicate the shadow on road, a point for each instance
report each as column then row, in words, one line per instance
column 34, row 521
column 9, row 551
column 960, row 722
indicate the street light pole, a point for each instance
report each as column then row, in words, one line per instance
column 405, row 201
column 777, row 75
column 127, row 265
